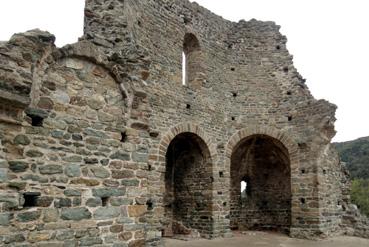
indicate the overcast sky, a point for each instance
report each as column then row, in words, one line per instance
column 329, row 40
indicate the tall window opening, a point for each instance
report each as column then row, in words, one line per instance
column 192, row 62
column 243, row 189
column 183, row 69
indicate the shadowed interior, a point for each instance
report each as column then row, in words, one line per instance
column 262, row 163
column 188, row 186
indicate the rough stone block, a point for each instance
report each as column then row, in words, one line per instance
column 50, row 215
column 75, row 214
column 120, row 155
column 51, row 169
column 104, row 213
column 5, row 219
column 136, row 210
column 29, row 216
column 100, row 172
column 94, row 202
column 18, row 166
column 72, row 170
column 107, row 192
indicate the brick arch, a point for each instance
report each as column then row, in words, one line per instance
column 279, row 135
column 183, row 128
column 292, row 150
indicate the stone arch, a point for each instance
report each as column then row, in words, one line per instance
column 131, row 88
column 269, row 159
column 188, row 155
column 182, row 128
column 279, row 135
column 86, row 50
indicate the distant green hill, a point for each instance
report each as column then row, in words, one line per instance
column 356, row 155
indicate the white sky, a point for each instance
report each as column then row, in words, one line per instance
column 329, row 40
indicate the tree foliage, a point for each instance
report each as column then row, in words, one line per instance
column 356, row 156
column 360, row 194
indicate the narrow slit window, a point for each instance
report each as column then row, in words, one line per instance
column 192, row 62
column 183, row 69
column 243, row 189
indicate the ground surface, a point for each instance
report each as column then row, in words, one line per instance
column 270, row 240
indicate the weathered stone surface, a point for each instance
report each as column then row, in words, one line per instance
column 51, row 169
column 72, row 170
column 90, row 241
column 34, row 153
column 73, row 158
column 100, row 172
column 107, row 192
column 94, row 202
column 118, row 201
column 136, row 210
column 116, row 228
column 119, row 174
column 72, row 192
column 85, row 181
column 139, row 157
column 14, row 238
column 125, row 236
column 64, row 235
column 5, row 219
column 96, row 102
column 130, row 182
column 75, row 214
column 44, row 201
column 74, row 64
column 137, row 243
column 120, row 156
column 45, row 103
column 22, row 140
column 29, row 216
column 11, row 201
column 18, row 166
column 63, row 202
column 104, row 213
column 3, row 174
column 34, row 177
column 50, row 215
column 35, row 237
column 17, row 185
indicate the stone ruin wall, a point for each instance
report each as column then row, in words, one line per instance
column 86, row 131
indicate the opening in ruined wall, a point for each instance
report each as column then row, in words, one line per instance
column 30, row 199
column 243, row 189
column 192, row 68
column 263, row 162
column 188, row 187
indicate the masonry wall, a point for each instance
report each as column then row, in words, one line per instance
column 249, row 80
column 85, row 129
column 75, row 174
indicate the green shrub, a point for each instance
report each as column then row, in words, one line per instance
column 360, row 194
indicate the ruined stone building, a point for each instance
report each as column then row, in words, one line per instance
column 102, row 142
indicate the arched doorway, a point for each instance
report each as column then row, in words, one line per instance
column 188, row 187
column 260, row 196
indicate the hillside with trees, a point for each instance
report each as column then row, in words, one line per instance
column 356, row 156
